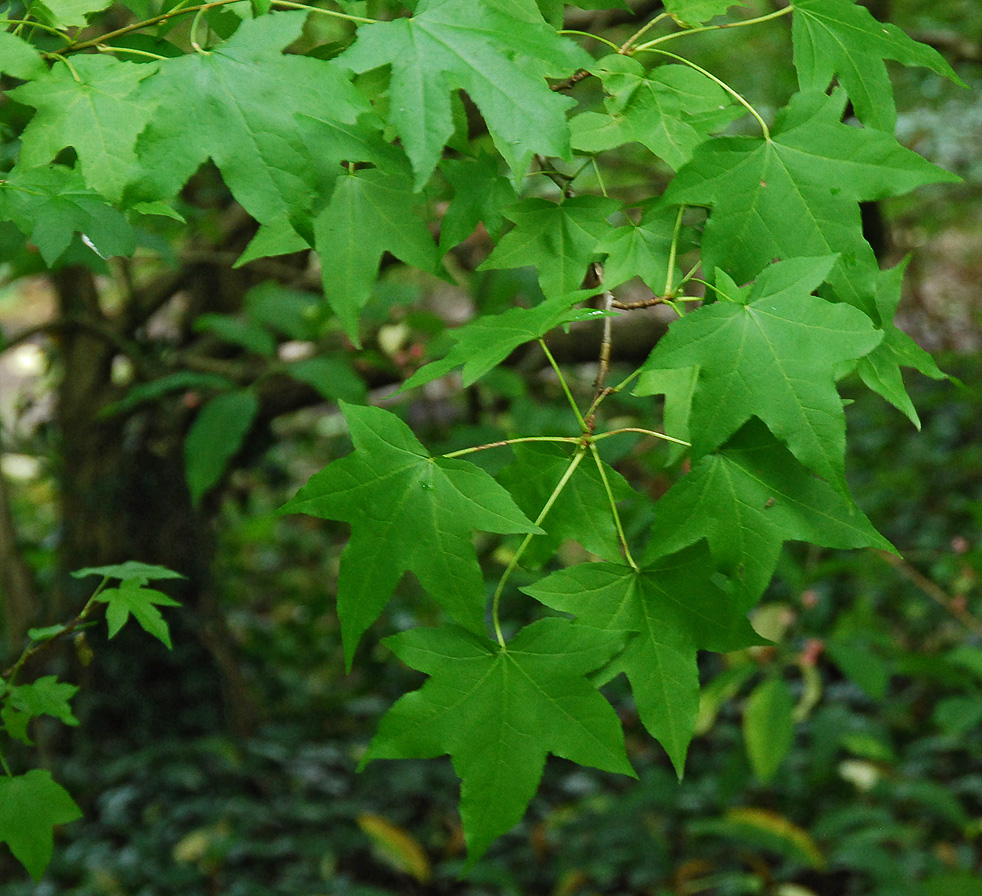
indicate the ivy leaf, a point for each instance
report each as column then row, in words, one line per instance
column 695, row 12
column 669, row 110
column 94, row 106
column 499, row 51
column 19, row 59
column 51, row 204
column 812, row 172
column 582, row 510
column 215, row 437
column 841, row 39
column 248, row 99
column 30, row 806
column 370, row 212
column 408, row 511
column 771, row 351
column 499, row 711
column 131, row 598
column 880, row 369
column 559, row 240
column 676, row 609
column 484, row 342
column 746, row 500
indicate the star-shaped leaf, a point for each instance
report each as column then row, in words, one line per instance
column 19, row 58
column 30, row 806
column 746, row 500
column 481, row 195
column 841, row 39
column 771, row 351
column 676, row 609
column 695, row 12
column 369, row 213
column 408, row 511
column 133, row 598
column 643, row 249
column 52, row 203
column 499, row 711
column 558, row 239
column 484, row 342
column 670, row 110
column 247, row 118
column 880, row 369
column 499, row 51
column 811, row 174
column 582, row 510
column 66, row 13
column 94, row 106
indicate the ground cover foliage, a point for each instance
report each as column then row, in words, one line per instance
column 585, row 523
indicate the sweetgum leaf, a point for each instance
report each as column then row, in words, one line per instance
column 642, row 249
column 408, row 511
column 484, row 342
column 841, row 39
column 676, row 608
column 52, row 203
column 798, row 193
column 499, row 711
column 880, row 369
column 131, row 598
column 95, row 106
column 131, row 569
column 46, row 696
column 499, row 51
column 370, row 212
column 67, row 13
column 19, row 59
column 481, row 195
column 695, row 12
column 771, row 351
column 558, row 239
column 670, row 110
column 582, row 510
column 746, row 500
column 30, row 806
column 248, row 97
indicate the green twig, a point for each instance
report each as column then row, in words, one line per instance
column 701, row 28
column 503, row 442
column 563, row 383
column 647, row 432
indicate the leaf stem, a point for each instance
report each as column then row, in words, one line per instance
column 103, row 48
column 737, row 96
column 667, row 37
column 647, row 432
column 503, row 442
column 325, row 12
column 563, row 383
column 32, row 24
column 194, row 34
column 603, row 40
column 628, row 45
column 673, row 251
column 715, row 289
column 513, row 563
column 613, row 507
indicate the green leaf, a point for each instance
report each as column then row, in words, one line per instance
column 131, row 569
column 45, row 633
column 676, row 608
column 880, row 369
column 46, row 696
column 678, row 385
column 643, row 249
column 247, row 99
column 332, row 377
column 499, row 711
column 370, row 212
column 481, row 194
column 288, row 311
column 275, row 237
column 215, row 437
column 51, row 204
column 746, row 500
column 132, row 598
column 484, row 342
column 771, row 351
column 499, row 51
column 669, row 110
column 841, row 39
column 246, row 333
column 179, row 381
column 66, row 13
column 93, row 105
column 695, row 12
column 30, row 806
column 408, row 511
column 582, row 510
column 768, row 727
column 19, row 59
column 559, row 240
column 797, row 194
